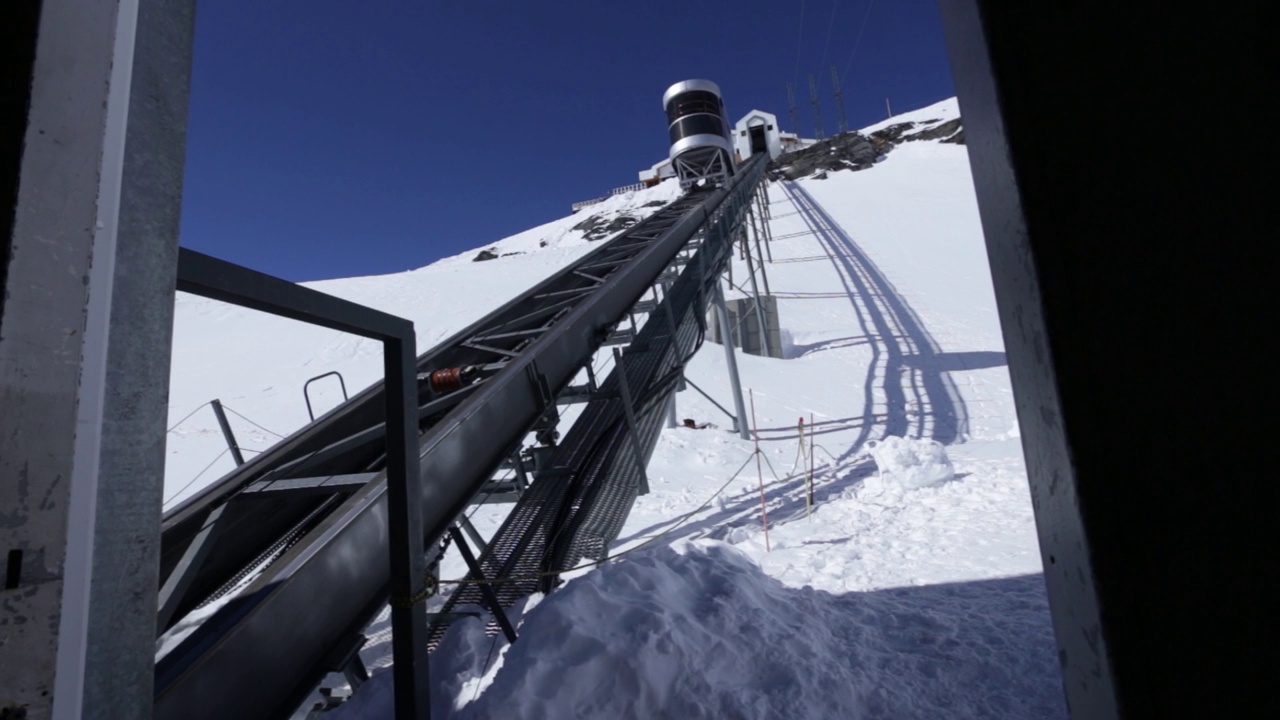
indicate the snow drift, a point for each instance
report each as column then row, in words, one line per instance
column 699, row 631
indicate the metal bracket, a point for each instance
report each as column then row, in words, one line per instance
column 346, row 659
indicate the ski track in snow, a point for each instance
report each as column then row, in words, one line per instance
column 879, row 601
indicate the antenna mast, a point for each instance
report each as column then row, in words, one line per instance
column 817, row 116
column 795, row 116
column 835, row 83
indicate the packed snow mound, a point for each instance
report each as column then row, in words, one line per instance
column 699, row 631
column 911, row 462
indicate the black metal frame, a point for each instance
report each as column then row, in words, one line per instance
column 232, row 446
column 210, row 277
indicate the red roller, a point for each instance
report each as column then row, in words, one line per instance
column 447, row 380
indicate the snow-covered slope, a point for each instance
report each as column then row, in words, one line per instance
column 883, row 599
column 924, row 118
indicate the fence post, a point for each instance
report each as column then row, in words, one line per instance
column 226, row 431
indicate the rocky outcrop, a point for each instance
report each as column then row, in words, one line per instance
column 597, row 227
column 847, row 151
column 951, row 131
column 907, row 132
column 854, row 151
column 492, row 254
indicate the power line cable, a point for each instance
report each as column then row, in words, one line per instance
column 242, row 417
column 188, row 417
column 194, row 479
column 799, row 45
column 830, row 24
column 858, row 40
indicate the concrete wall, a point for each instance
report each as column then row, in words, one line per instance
column 84, row 353
column 46, row 513
column 745, row 326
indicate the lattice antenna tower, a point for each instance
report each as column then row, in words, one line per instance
column 817, row 115
column 791, row 102
column 835, row 83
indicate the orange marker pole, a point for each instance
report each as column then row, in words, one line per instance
column 764, row 513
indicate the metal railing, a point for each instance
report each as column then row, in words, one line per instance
column 616, row 191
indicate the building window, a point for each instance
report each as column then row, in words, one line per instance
column 769, row 127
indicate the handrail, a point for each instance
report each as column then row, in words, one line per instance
column 634, row 187
column 306, row 391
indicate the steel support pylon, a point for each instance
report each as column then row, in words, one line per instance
column 731, row 362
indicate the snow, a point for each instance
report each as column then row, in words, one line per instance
column 929, row 116
column 910, row 462
column 700, row 631
column 910, row 587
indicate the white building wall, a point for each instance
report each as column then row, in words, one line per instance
column 742, row 133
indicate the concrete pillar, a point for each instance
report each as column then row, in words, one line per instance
column 84, row 350
column 1132, row 288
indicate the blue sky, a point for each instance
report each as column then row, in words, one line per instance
column 332, row 139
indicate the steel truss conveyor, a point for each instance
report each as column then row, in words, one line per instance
column 285, row 557
column 582, row 495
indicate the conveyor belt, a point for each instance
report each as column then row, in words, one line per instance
column 266, row 648
column 580, row 499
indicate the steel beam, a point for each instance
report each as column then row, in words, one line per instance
column 407, row 552
column 326, row 485
column 486, row 589
column 713, row 401
column 628, row 407
column 755, row 293
column 229, row 436
column 731, row 362
column 179, row 580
